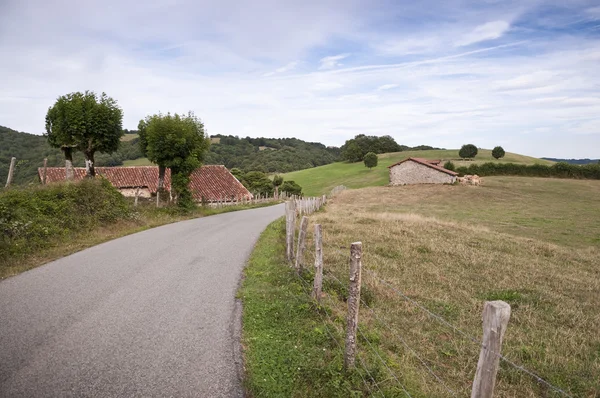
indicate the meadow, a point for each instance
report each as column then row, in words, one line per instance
column 320, row 180
column 531, row 242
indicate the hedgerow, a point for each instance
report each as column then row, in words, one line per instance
column 559, row 170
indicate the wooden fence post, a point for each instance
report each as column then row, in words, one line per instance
column 137, row 195
column 353, row 304
column 318, row 282
column 495, row 319
column 45, row 173
column 290, row 227
column 11, row 171
column 301, row 244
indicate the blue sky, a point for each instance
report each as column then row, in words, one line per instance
column 521, row 74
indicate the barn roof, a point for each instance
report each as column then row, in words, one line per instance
column 211, row 182
column 424, row 162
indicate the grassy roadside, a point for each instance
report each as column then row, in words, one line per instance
column 62, row 239
column 289, row 349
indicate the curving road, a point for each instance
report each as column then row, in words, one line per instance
column 149, row 315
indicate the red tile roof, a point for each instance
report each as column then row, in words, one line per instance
column 211, row 182
column 425, row 162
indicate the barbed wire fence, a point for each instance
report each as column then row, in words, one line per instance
column 496, row 314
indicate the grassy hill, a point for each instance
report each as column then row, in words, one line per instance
column 320, row 180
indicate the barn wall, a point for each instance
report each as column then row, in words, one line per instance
column 130, row 192
column 415, row 173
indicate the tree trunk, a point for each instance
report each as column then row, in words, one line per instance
column 161, row 183
column 68, row 151
column 90, row 169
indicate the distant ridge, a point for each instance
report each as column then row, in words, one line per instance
column 574, row 161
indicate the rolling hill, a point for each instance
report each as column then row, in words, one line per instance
column 321, row 180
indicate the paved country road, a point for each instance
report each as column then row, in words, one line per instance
column 149, row 315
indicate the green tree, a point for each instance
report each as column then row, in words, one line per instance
column 352, row 152
column 449, row 166
column 258, row 183
column 277, row 181
column 85, row 122
column 177, row 142
column 237, row 173
column 468, row 151
column 498, row 152
column 370, row 160
column 291, row 188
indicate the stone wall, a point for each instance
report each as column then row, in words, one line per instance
column 410, row 172
column 130, row 192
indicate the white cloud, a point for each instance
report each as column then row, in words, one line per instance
column 487, row 31
column 331, row 61
column 386, row 87
column 283, row 69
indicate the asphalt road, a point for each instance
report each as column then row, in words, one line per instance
column 149, row 315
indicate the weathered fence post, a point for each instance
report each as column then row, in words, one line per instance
column 353, row 303
column 137, row 195
column 11, row 170
column 45, row 173
column 318, row 282
column 495, row 319
column 290, row 227
column 301, row 244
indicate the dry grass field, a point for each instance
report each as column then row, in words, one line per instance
column 531, row 242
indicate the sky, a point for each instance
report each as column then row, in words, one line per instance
column 521, row 74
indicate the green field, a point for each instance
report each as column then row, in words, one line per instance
column 320, row 180
column 532, row 242
column 129, row 137
column 138, row 162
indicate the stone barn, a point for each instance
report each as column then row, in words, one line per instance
column 213, row 183
column 420, row 171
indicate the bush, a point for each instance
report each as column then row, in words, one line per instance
column 370, row 160
column 559, row 170
column 34, row 218
column 291, row 188
column 468, row 151
column 449, row 166
column 498, row 152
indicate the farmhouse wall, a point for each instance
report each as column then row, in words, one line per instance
column 130, row 192
column 414, row 173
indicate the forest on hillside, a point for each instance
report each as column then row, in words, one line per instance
column 269, row 155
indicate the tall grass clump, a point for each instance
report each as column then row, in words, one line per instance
column 37, row 217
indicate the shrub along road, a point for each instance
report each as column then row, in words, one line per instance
column 150, row 314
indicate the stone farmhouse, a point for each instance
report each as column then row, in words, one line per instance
column 420, row 171
column 210, row 183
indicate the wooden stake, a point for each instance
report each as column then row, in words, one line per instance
column 291, row 226
column 137, row 194
column 301, row 243
column 495, row 320
column 353, row 303
column 45, row 173
column 318, row 282
column 11, row 170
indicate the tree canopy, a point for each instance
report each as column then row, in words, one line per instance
column 177, row 142
column 468, row 151
column 86, row 122
column 371, row 160
column 498, row 152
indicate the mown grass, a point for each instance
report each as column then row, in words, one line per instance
column 321, row 180
column 533, row 243
column 138, row 162
column 43, row 223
